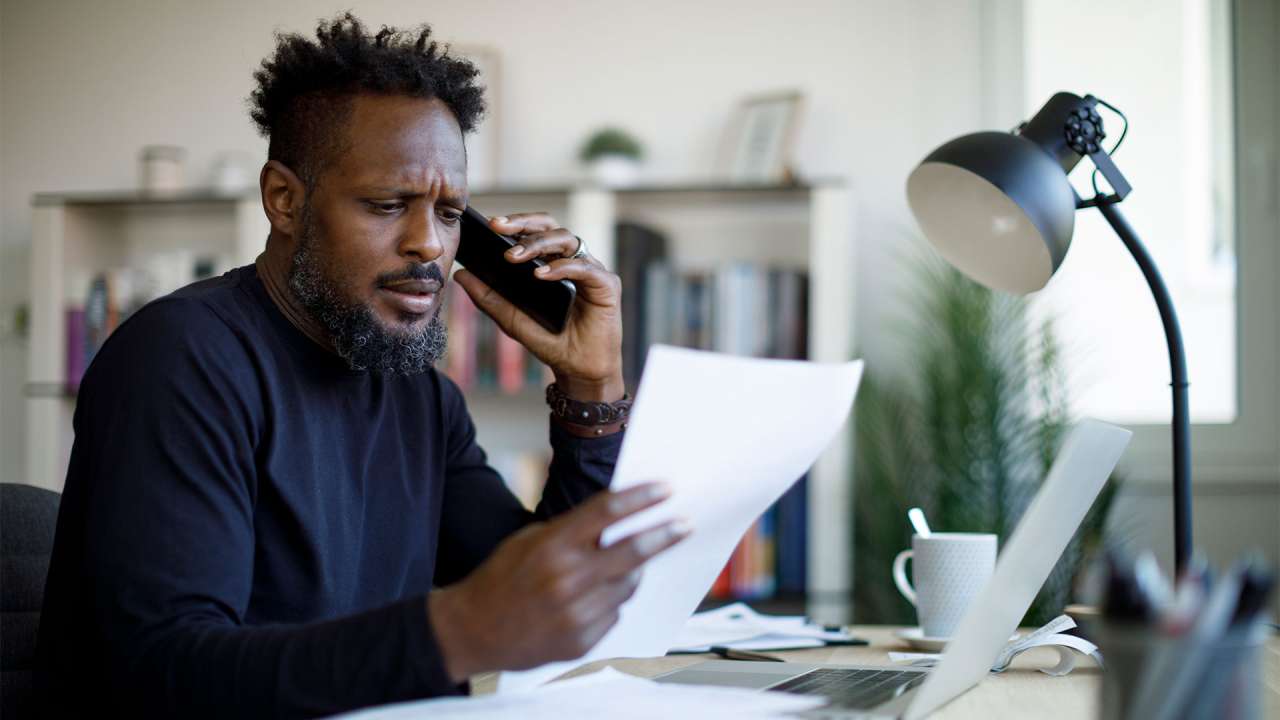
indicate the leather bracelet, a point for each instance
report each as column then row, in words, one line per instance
column 587, row 414
column 589, row 431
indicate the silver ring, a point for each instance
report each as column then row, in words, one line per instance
column 581, row 251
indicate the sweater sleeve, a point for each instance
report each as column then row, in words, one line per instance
column 479, row 510
column 166, row 429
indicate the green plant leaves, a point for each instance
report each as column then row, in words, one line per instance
column 967, row 430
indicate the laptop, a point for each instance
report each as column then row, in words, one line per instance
column 1088, row 455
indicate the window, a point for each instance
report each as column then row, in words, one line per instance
column 1167, row 65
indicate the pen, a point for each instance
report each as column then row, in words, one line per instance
column 731, row 654
column 847, row 641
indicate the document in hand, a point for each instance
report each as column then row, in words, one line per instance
column 730, row 435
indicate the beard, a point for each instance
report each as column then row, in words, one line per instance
column 353, row 327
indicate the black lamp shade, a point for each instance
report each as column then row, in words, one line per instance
column 997, row 207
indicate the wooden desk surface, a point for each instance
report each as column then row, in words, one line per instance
column 1019, row 692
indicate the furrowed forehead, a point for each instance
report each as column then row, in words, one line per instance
column 402, row 143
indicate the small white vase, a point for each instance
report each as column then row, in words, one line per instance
column 614, row 170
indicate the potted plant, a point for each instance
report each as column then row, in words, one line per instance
column 612, row 157
column 966, row 429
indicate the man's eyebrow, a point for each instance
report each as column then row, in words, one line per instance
column 459, row 198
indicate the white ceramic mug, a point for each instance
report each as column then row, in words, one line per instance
column 949, row 569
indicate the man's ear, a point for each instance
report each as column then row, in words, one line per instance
column 283, row 194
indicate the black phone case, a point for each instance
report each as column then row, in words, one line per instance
column 482, row 251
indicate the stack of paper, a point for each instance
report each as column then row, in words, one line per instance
column 741, row 628
column 607, row 693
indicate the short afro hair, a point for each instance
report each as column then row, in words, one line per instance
column 306, row 87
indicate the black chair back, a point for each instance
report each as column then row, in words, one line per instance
column 28, row 517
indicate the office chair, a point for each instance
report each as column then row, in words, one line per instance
column 28, row 516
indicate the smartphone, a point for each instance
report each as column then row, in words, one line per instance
column 483, row 252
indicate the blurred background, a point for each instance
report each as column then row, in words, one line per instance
column 742, row 164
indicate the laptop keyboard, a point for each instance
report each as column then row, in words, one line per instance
column 859, row 689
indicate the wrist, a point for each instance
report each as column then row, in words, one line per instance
column 589, row 418
column 608, row 390
column 448, row 622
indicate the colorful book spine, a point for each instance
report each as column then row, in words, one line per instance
column 77, row 355
column 792, row 512
column 511, row 361
column 460, row 361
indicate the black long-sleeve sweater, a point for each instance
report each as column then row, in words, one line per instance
column 250, row 528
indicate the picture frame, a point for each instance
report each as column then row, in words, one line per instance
column 760, row 142
column 484, row 143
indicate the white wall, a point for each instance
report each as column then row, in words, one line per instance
column 86, row 84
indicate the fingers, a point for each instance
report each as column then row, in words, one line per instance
column 595, row 283
column 598, row 610
column 556, row 243
column 628, row 554
column 604, row 509
column 520, row 223
column 604, row 597
column 592, row 634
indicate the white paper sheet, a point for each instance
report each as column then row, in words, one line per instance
column 607, row 693
column 1049, row 635
column 730, row 435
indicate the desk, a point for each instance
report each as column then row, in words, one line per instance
column 1019, row 692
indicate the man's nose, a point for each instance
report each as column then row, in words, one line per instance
column 422, row 239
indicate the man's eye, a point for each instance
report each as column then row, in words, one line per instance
column 451, row 218
column 386, row 208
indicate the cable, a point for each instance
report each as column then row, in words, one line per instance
column 1112, row 152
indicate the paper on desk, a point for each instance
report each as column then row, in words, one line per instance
column 607, row 693
column 729, row 434
column 1049, row 635
column 739, row 627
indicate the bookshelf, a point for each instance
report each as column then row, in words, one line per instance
column 74, row 236
column 804, row 227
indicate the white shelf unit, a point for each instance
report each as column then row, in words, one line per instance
column 806, row 227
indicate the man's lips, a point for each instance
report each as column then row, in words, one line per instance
column 414, row 287
column 415, row 297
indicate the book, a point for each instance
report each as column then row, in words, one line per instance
column 510, row 357
column 460, row 360
column 792, row 533
column 638, row 248
column 77, row 350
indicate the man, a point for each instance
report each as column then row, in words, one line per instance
column 275, row 505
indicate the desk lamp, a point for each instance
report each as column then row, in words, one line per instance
column 999, row 208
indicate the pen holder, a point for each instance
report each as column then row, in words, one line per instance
column 1152, row 675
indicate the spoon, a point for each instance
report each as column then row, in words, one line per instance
column 916, row 515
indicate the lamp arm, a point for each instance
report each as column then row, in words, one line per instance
column 1178, row 372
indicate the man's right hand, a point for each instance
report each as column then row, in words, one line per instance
column 548, row 592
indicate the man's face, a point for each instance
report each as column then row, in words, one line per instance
column 379, row 233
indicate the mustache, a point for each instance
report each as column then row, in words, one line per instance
column 430, row 271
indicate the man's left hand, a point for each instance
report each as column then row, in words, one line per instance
column 587, row 357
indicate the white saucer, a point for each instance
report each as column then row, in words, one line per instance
column 916, row 638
